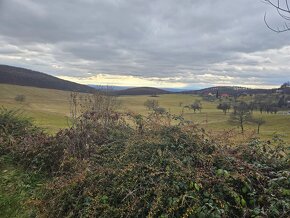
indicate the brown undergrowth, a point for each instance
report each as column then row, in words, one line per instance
column 105, row 167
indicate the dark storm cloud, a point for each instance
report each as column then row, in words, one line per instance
column 179, row 40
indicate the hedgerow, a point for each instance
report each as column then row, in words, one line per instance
column 128, row 165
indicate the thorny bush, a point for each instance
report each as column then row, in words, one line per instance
column 128, row 165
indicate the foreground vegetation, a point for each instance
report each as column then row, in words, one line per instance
column 112, row 164
column 17, row 188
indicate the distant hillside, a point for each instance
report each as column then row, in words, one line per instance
column 113, row 88
column 231, row 90
column 285, row 90
column 118, row 88
column 25, row 77
column 142, row 91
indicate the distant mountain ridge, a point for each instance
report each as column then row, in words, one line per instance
column 113, row 88
column 141, row 91
column 25, row 77
column 118, row 88
column 231, row 90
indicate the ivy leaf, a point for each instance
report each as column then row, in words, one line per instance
column 286, row 192
column 104, row 199
column 220, row 172
column 196, row 186
column 244, row 189
column 243, row 202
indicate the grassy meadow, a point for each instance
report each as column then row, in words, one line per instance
column 50, row 110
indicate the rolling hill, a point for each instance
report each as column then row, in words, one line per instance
column 25, row 77
column 141, row 91
column 231, row 90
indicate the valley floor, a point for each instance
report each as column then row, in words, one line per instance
column 51, row 110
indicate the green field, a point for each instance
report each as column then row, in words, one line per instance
column 50, row 110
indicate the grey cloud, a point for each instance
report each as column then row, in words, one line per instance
column 160, row 38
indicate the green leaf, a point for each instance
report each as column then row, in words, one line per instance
column 191, row 184
column 196, row 186
column 226, row 173
column 286, row 192
column 220, row 172
column 243, row 202
column 104, row 199
column 244, row 189
column 252, row 202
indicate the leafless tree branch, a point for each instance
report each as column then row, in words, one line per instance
column 283, row 10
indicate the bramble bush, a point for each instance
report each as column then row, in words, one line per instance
column 128, row 165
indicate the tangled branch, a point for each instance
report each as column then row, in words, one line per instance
column 283, row 10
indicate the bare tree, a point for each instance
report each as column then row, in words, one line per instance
column 259, row 122
column 19, row 98
column 283, row 9
column 99, row 104
column 151, row 104
column 225, row 107
column 196, row 106
column 241, row 115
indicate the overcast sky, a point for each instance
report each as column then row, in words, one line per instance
column 161, row 43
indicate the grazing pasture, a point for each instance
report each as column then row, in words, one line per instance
column 51, row 110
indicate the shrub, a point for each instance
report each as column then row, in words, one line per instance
column 171, row 171
column 14, row 125
column 160, row 110
column 128, row 165
column 20, row 98
column 151, row 104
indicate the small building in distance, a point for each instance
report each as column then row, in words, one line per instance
column 225, row 95
column 244, row 94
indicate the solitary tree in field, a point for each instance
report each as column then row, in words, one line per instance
column 224, row 107
column 151, row 104
column 20, row 98
column 196, row 106
column 259, row 122
column 241, row 116
column 283, row 9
